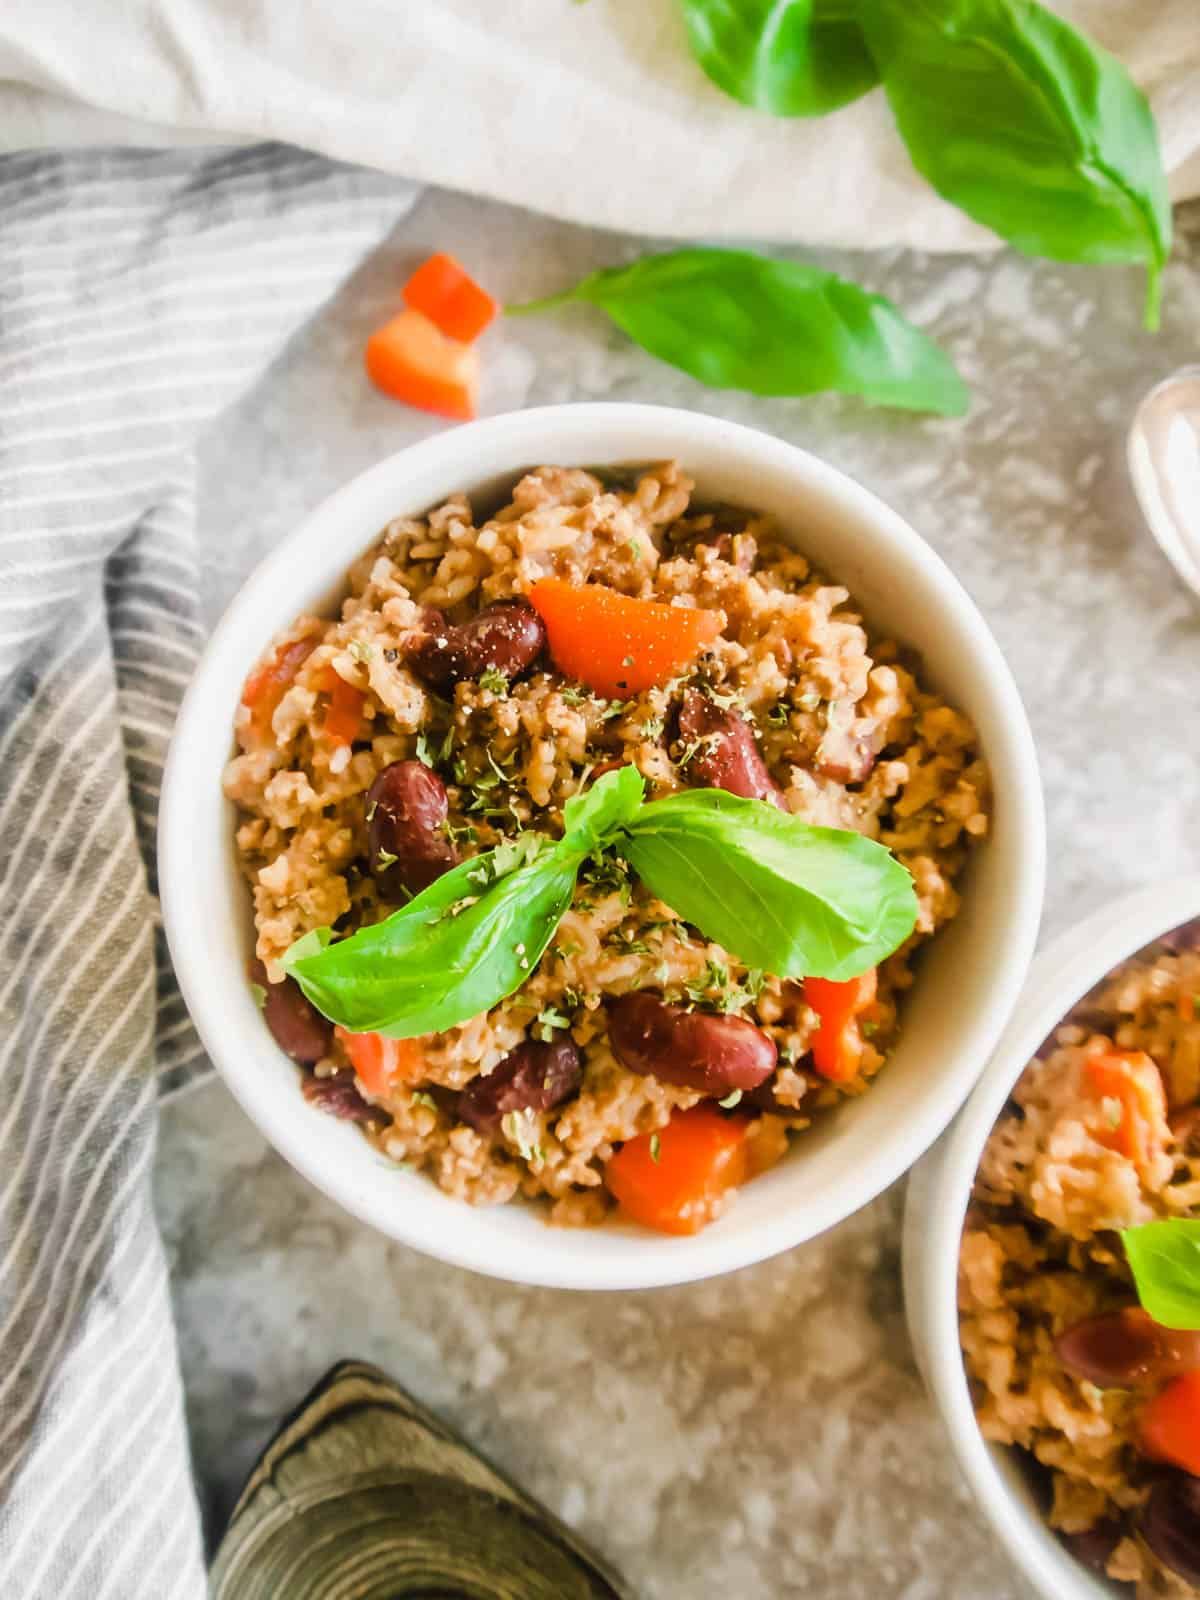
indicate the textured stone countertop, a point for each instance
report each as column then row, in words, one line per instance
column 764, row 1434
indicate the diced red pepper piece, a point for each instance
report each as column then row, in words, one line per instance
column 673, row 1180
column 837, row 1046
column 442, row 290
column 413, row 361
column 269, row 682
column 344, row 718
column 380, row 1063
column 1131, row 1085
column 616, row 644
column 1170, row 1424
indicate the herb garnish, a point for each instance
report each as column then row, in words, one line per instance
column 655, row 1148
column 1026, row 126
column 1008, row 111
column 431, row 756
column 736, row 320
column 1164, row 1258
column 787, row 57
column 548, row 1019
column 495, row 680
column 777, row 893
column 520, row 1128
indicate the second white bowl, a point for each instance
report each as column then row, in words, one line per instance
column 968, row 980
column 938, row 1194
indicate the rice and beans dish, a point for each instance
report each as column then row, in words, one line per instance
column 480, row 675
column 1102, row 1135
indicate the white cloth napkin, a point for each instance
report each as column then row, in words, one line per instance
column 594, row 111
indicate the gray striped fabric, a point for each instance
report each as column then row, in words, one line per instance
column 139, row 294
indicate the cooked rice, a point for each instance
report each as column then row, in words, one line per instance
column 856, row 742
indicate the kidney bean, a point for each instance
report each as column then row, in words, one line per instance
column 1093, row 1546
column 339, row 1096
column 507, row 636
column 728, row 757
column 694, row 1049
column 1119, row 1349
column 533, row 1077
column 296, row 1025
column 1170, row 1524
column 406, row 815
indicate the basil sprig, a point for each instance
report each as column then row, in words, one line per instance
column 736, row 320
column 792, row 58
column 777, row 893
column 1009, row 112
column 794, row 899
column 1165, row 1260
column 1018, row 120
column 472, row 937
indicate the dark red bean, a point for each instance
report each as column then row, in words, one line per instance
column 406, row 828
column 507, row 637
column 339, row 1096
column 694, row 1049
column 1170, row 1524
column 728, row 756
column 533, row 1077
column 296, row 1025
column 1121, row 1349
column 1093, row 1546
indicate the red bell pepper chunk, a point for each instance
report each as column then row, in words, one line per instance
column 615, row 643
column 269, row 682
column 837, row 1046
column 380, row 1063
column 411, row 360
column 673, row 1180
column 1170, row 1424
column 442, row 290
column 343, row 720
column 1131, row 1085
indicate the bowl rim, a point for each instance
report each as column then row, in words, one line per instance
column 669, row 431
column 1061, row 976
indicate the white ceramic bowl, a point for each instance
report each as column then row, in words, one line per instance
column 968, row 982
column 940, row 1188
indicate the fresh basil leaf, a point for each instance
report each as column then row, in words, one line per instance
column 776, row 892
column 308, row 944
column 791, row 58
column 736, row 320
column 1165, row 1260
column 454, row 951
column 611, row 801
column 1018, row 120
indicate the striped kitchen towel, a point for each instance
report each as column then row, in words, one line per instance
column 140, row 293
